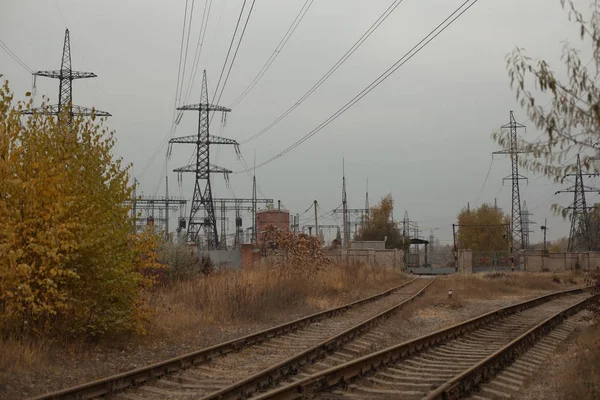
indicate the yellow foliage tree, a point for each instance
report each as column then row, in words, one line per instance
column 481, row 230
column 71, row 262
column 380, row 226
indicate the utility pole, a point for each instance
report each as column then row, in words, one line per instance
column 239, row 230
column 203, row 198
column 223, row 243
column 365, row 218
column 516, row 221
column 345, row 216
column 431, row 239
column 580, row 236
column 66, row 76
column 134, row 203
column 416, row 231
column 545, row 228
column 254, row 202
column 316, row 220
column 278, row 212
column 167, row 206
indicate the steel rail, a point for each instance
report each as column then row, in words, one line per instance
column 344, row 372
column 273, row 375
column 115, row 383
column 464, row 383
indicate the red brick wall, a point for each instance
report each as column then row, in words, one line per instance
column 250, row 256
column 280, row 219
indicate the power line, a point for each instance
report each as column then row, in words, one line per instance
column 233, row 59
column 229, row 50
column 16, row 58
column 286, row 37
column 236, row 51
column 180, row 58
column 403, row 60
column 187, row 46
column 485, row 181
column 334, row 68
column 176, row 116
column 199, row 47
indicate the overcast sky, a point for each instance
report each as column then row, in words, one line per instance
column 423, row 135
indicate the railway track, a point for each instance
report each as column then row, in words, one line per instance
column 447, row 364
column 249, row 363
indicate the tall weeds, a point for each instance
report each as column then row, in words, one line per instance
column 244, row 296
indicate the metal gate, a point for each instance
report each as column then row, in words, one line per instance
column 492, row 260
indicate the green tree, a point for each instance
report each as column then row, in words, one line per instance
column 482, row 229
column 71, row 262
column 572, row 123
column 379, row 226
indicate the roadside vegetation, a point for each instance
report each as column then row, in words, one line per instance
column 71, row 263
column 380, row 225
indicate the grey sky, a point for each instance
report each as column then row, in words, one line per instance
column 423, row 135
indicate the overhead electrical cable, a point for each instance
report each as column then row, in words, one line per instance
column 235, row 54
column 187, row 46
column 237, row 25
column 199, row 47
column 185, row 13
column 485, row 181
column 334, row 68
column 231, row 66
column 12, row 55
column 176, row 116
column 286, row 37
column 403, row 60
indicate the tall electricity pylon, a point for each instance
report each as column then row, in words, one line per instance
column 66, row 76
column 580, row 236
column 203, row 197
column 516, row 225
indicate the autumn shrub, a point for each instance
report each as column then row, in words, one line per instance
column 300, row 255
column 71, row 261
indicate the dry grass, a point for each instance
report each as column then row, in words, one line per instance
column 242, row 296
column 582, row 379
column 20, row 355
column 188, row 315
column 505, row 284
column 487, row 291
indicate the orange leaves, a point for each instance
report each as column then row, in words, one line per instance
column 300, row 254
column 73, row 265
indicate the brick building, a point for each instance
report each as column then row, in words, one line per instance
column 278, row 218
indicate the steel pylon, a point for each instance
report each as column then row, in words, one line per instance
column 66, row 76
column 580, row 234
column 203, row 196
column 516, row 225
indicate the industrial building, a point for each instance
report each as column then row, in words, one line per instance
column 277, row 217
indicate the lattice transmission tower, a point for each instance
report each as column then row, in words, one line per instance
column 580, row 236
column 516, row 226
column 66, row 76
column 202, row 201
column 527, row 222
